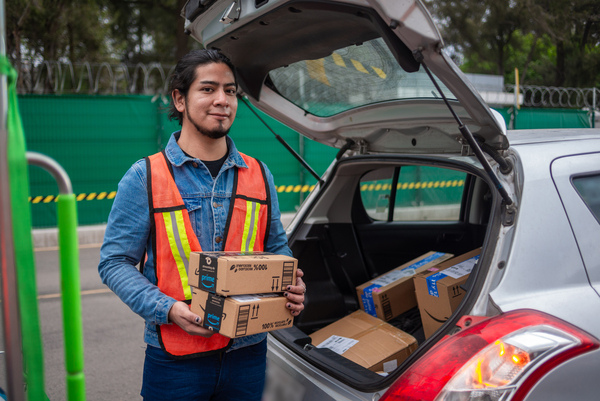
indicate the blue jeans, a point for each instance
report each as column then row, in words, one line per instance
column 235, row 375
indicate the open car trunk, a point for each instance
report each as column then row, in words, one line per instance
column 345, row 236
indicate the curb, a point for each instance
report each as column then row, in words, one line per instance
column 88, row 235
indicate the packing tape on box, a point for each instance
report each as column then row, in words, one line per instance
column 390, row 277
column 456, row 272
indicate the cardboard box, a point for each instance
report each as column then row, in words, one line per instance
column 236, row 273
column 393, row 293
column 438, row 289
column 367, row 341
column 241, row 315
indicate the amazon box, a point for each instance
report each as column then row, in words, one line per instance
column 241, row 315
column 367, row 341
column 236, row 273
column 393, row 293
column 438, row 289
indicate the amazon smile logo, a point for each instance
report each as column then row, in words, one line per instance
column 434, row 318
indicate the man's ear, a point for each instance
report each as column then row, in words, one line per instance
column 178, row 100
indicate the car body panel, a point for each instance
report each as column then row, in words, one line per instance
column 545, row 271
column 584, row 224
column 574, row 379
column 256, row 44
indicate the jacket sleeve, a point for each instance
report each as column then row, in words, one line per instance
column 277, row 240
column 126, row 237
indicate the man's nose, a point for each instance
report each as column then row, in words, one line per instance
column 221, row 98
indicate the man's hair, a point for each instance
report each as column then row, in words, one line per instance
column 185, row 72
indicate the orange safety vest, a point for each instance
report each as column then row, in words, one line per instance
column 173, row 239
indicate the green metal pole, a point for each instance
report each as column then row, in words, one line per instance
column 71, row 296
column 33, row 354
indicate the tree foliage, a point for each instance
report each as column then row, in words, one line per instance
column 128, row 31
column 551, row 42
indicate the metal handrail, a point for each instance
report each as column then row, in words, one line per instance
column 69, row 275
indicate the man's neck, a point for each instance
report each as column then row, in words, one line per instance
column 200, row 146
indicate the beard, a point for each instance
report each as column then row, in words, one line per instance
column 216, row 133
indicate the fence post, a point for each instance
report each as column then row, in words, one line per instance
column 593, row 124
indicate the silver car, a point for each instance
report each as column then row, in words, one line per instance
column 424, row 165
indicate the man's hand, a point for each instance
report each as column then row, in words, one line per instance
column 182, row 316
column 295, row 295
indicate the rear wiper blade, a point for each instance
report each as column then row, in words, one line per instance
column 466, row 133
column 284, row 143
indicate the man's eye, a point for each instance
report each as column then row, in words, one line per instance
column 206, row 89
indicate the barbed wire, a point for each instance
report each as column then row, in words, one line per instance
column 558, row 97
column 52, row 77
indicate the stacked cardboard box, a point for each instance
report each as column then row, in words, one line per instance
column 438, row 289
column 239, row 294
column 367, row 341
column 393, row 293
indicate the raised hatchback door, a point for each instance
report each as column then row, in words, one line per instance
column 346, row 70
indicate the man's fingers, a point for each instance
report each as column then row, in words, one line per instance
column 200, row 331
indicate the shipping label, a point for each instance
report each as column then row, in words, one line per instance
column 338, row 344
column 462, row 269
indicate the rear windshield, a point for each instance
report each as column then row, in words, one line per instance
column 351, row 77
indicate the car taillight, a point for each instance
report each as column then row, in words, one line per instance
column 500, row 358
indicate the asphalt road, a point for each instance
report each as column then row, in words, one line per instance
column 113, row 335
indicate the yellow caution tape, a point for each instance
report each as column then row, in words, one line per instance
column 79, row 197
column 280, row 189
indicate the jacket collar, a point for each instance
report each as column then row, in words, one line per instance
column 178, row 158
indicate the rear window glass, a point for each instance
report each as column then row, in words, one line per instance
column 589, row 189
column 351, row 77
column 418, row 193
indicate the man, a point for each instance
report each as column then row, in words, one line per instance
column 191, row 197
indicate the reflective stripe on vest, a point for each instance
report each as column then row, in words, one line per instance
column 180, row 247
column 249, row 219
column 250, row 226
column 173, row 239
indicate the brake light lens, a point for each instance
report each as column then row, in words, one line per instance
column 496, row 371
column 500, row 358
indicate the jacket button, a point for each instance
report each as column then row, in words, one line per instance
column 195, row 164
column 218, row 239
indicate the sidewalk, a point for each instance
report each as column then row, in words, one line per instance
column 93, row 235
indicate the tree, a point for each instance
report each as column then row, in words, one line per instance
column 481, row 30
column 552, row 42
column 149, row 30
column 95, row 31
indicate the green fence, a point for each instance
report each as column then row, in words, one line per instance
column 97, row 138
column 530, row 118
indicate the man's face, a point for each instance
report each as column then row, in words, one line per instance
column 211, row 103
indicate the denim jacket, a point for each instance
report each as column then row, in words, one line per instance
column 127, row 233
